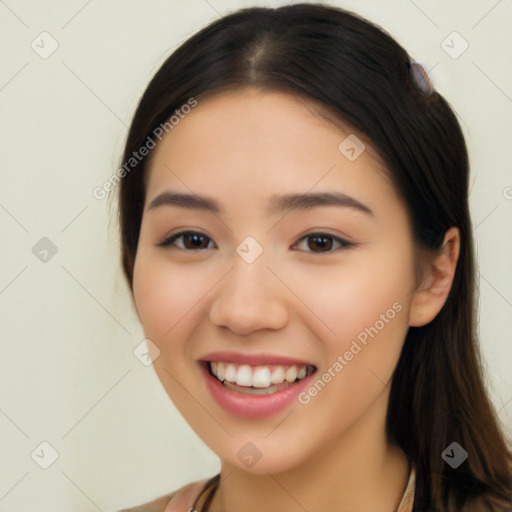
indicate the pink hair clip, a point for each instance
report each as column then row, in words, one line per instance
column 420, row 79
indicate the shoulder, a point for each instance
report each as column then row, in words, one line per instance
column 182, row 499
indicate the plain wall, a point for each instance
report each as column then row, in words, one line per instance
column 68, row 329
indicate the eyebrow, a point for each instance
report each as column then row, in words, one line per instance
column 277, row 204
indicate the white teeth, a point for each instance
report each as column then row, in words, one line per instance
column 291, row 374
column 221, row 371
column 261, row 377
column 230, row 373
column 278, row 375
column 244, row 375
column 258, row 376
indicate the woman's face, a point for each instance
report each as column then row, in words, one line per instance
column 300, row 258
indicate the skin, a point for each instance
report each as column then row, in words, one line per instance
column 294, row 300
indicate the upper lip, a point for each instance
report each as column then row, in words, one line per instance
column 254, row 359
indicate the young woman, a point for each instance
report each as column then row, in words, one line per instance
column 296, row 234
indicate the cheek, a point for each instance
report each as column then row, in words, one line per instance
column 166, row 295
column 168, row 300
column 365, row 303
column 366, row 289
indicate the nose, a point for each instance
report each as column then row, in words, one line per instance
column 248, row 299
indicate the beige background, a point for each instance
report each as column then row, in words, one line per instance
column 68, row 331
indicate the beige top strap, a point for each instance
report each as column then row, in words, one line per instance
column 407, row 500
column 192, row 497
column 184, row 500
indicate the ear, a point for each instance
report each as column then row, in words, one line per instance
column 430, row 295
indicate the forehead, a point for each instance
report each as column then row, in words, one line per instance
column 253, row 143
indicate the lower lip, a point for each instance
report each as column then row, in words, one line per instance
column 253, row 406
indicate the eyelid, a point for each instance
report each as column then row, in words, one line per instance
column 344, row 243
column 168, row 240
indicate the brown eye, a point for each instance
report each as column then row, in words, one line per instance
column 189, row 240
column 195, row 241
column 323, row 242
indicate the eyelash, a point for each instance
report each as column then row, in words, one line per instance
column 344, row 244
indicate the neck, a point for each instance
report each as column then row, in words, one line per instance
column 358, row 472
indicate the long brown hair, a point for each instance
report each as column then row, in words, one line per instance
column 362, row 77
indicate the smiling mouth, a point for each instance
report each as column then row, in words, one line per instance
column 260, row 379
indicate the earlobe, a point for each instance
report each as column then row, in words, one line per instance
column 431, row 293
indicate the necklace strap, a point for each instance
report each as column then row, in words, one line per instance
column 204, row 499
